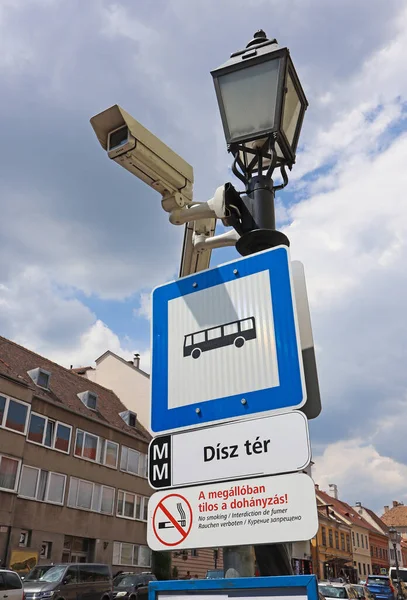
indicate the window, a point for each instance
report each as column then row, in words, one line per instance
column 368, row 569
column 89, row 399
column 360, row 569
column 12, row 581
column 362, row 539
column 25, row 536
column 391, row 554
column 199, row 337
column 13, row 414
column 41, row 485
column 194, row 553
column 9, row 472
column 109, row 453
column 86, row 445
column 364, row 569
column 357, row 540
column 133, row 461
column 131, row 506
column 348, row 548
column 376, row 552
column 230, row 329
column 129, row 417
column 92, row 573
column 45, row 551
column 342, row 541
column 97, row 449
column 323, row 536
column 337, row 540
column 353, row 538
column 90, row 496
column 40, row 377
column 131, row 555
column 214, row 333
column 46, row 432
column 367, row 542
column 331, row 539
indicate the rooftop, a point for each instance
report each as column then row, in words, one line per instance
column 345, row 511
column 65, row 384
column 396, row 516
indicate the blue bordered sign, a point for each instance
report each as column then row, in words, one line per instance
column 296, row 587
column 225, row 344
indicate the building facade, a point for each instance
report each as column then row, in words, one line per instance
column 331, row 548
column 126, row 379
column 380, row 545
column 396, row 517
column 73, row 480
column 360, row 530
column 132, row 386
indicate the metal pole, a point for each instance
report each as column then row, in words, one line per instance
column 272, row 559
column 400, row 594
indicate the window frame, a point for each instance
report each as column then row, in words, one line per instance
column 47, row 485
column 100, row 449
column 17, row 481
column 126, row 470
column 54, row 436
column 84, row 432
column 93, row 483
column 105, row 442
column 142, row 502
column 132, row 564
column 5, row 414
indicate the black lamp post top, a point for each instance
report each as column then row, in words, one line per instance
column 259, row 38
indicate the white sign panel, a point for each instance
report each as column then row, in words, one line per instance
column 266, row 446
column 225, row 344
column 264, row 510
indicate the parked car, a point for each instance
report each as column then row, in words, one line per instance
column 331, row 589
column 11, row 586
column 380, row 587
column 83, row 581
column 129, row 585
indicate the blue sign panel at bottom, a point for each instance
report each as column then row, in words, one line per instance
column 297, row 587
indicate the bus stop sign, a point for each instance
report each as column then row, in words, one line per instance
column 225, row 344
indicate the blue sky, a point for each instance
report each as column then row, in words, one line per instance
column 83, row 241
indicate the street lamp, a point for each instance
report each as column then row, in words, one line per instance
column 394, row 537
column 262, row 106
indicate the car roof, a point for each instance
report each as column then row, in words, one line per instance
column 7, row 571
column 332, row 583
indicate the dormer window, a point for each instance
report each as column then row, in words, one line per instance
column 90, row 399
column 129, row 417
column 40, row 377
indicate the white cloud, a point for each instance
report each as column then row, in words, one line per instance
column 144, row 308
column 361, row 474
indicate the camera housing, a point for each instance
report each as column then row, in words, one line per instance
column 139, row 151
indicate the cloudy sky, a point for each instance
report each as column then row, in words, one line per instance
column 83, row 241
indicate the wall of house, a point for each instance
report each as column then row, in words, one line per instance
column 131, row 386
column 58, row 523
column 197, row 562
column 361, row 551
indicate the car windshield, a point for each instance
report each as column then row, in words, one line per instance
column 52, row 574
column 126, row 581
column 331, row 591
column 36, row 573
column 402, row 574
column 378, row 581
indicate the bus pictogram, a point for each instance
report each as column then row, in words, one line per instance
column 235, row 333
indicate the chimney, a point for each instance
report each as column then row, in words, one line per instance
column 317, row 486
column 333, row 490
column 395, row 503
column 136, row 361
column 359, row 504
column 386, row 509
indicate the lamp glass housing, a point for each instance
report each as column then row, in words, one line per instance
column 259, row 94
column 249, row 98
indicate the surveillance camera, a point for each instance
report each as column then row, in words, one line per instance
column 136, row 149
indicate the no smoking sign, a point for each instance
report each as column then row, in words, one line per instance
column 172, row 520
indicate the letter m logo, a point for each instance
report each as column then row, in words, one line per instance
column 159, row 462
